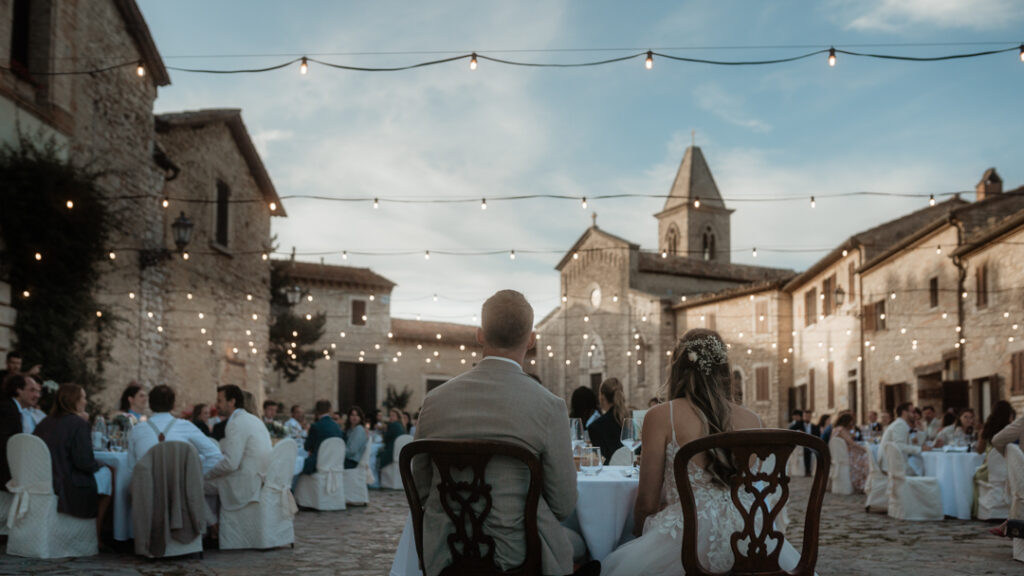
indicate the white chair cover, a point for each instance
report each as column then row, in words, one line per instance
column 390, row 477
column 172, row 547
column 876, row 487
column 1015, row 480
column 324, row 489
column 911, row 497
column 839, row 474
column 993, row 496
column 36, row 529
column 620, row 457
column 268, row 523
column 357, row 491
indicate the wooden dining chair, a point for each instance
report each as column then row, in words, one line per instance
column 765, row 480
column 472, row 550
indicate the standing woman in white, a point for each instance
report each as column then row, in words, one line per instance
column 699, row 405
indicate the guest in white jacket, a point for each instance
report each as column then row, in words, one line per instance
column 164, row 427
column 898, row 434
column 246, row 448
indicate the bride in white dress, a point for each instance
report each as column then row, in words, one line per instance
column 698, row 388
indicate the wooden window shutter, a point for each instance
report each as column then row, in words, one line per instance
column 762, row 380
column 810, row 389
column 869, row 317
column 831, row 385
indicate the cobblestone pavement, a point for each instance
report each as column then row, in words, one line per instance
column 362, row 541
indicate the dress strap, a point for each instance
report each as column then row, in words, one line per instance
column 672, row 422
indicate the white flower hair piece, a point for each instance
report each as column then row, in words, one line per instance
column 50, row 385
column 707, row 353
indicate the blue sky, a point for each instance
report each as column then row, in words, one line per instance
column 791, row 129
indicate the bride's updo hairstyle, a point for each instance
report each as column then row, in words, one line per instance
column 700, row 373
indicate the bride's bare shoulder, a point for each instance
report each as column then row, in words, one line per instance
column 744, row 418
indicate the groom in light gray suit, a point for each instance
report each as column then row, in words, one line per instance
column 496, row 400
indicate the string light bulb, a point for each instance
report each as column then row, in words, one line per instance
column 344, row 254
column 813, row 203
column 1022, row 52
column 931, row 199
column 112, row 255
column 754, row 253
column 304, row 67
column 696, row 202
column 426, row 255
column 583, row 203
column 472, row 61
column 39, row 257
column 376, row 204
column 265, row 256
column 140, row 70
column 512, row 255
column 938, row 250
column 70, row 204
column 273, row 206
column 649, row 61
column 483, row 203
column 166, row 202
column 831, row 57
column 664, row 254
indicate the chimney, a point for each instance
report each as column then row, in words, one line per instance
column 990, row 185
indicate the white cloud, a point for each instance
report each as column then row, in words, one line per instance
column 728, row 106
column 900, row 15
column 264, row 138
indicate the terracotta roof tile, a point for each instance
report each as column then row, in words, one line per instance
column 331, row 274
column 684, row 266
column 425, row 331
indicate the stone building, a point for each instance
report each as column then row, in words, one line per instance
column 616, row 316
column 365, row 350
column 104, row 121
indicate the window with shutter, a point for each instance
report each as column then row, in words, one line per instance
column 851, row 275
column 358, row 313
column 811, row 307
column 1017, row 374
column 831, row 385
column 933, row 292
column 869, row 317
column 810, row 389
column 828, row 290
column 981, row 285
column 761, row 378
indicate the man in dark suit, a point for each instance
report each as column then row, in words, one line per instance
column 811, row 428
column 10, row 421
column 321, row 429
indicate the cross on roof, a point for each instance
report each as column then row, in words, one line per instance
column 593, row 218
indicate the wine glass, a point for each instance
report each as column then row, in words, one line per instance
column 590, row 460
column 630, row 438
column 576, row 433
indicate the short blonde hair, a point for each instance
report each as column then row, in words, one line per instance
column 506, row 319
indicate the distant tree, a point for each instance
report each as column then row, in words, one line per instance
column 292, row 337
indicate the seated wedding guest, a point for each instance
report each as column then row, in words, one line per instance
column 583, row 405
column 82, row 486
column 355, row 438
column 217, row 433
column 496, row 400
column 18, row 390
column 269, row 410
column 698, row 405
column 394, row 430
column 872, row 422
column 796, row 420
column 246, row 449
column 133, row 403
column 339, row 419
column 322, row 428
column 162, row 426
column 415, row 419
column 825, row 425
column 1001, row 417
column 606, row 431
column 1013, row 433
column 884, row 421
column 200, row 415
column 406, row 421
column 959, row 432
column 296, row 425
column 931, row 422
column 844, row 429
column 898, row 434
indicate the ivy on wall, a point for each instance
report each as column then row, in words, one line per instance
column 292, row 337
column 54, row 227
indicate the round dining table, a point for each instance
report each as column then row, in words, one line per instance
column 955, row 473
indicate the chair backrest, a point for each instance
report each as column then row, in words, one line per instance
column 458, row 498
column 400, row 443
column 996, row 467
column 837, row 447
column 29, row 460
column 620, row 457
column 281, row 465
column 331, row 455
column 761, row 457
column 894, row 461
column 1015, row 480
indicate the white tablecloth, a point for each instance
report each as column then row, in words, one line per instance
column 955, row 472
column 121, row 509
column 604, row 508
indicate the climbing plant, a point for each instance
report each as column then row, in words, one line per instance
column 293, row 337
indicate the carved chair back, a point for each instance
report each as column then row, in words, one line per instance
column 761, row 479
column 467, row 503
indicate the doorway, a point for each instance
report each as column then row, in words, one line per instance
column 595, row 383
column 955, row 395
column 357, row 386
column 894, row 395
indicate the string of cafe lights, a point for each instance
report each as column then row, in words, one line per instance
column 474, row 58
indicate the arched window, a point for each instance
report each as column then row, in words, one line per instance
column 709, row 244
column 672, row 240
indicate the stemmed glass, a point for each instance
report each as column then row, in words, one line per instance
column 630, row 438
column 576, row 434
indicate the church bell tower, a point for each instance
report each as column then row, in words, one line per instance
column 694, row 221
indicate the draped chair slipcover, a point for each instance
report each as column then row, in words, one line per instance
column 5, row 504
column 357, row 492
column 324, row 489
column 993, row 495
column 1015, row 480
column 390, row 477
column 839, row 475
column 620, row 457
column 876, row 487
column 35, row 528
column 911, row 497
column 268, row 523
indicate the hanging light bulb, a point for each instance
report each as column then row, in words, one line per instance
column 931, row 199
column 512, row 255
column 813, row 203
column 184, row 256
column 273, row 206
column 426, row 255
column 304, row 67
column 70, row 204
column 483, row 204
column 1022, row 52
column 435, row 297
column 140, row 70
column 265, row 256
column 39, row 257
column 831, row 57
column 664, row 254
column 938, row 250
column 344, row 254
column 376, row 204
column 166, row 202
column 649, row 62
column 189, row 295
column 131, row 295
column 472, row 61
column 583, row 204
column 696, row 202
column 755, row 252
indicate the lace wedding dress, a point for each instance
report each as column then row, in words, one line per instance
column 658, row 551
